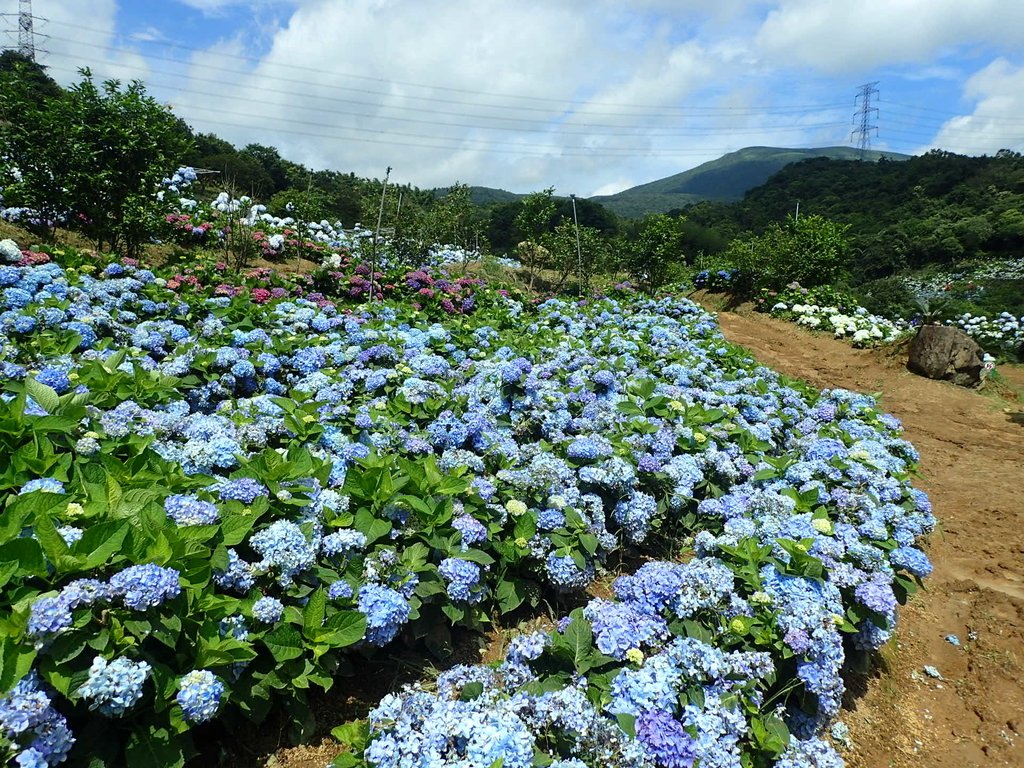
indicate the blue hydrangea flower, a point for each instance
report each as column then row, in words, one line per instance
column 876, row 595
column 666, row 739
column 234, row 627
column 85, row 592
column 239, row 576
column 199, row 695
column 70, row 534
column 635, row 515
column 27, row 717
column 386, row 611
column 471, row 530
column 912, row 560
column 45, row 484
column 115, row 687
column 190, row 510
column 618, row 627
column 145, row 586
column 269, row 610
column 343, row 543
column 565, row 574
column 243, row 489
column 285, row 549
column 588, row 448
column 340, row 590
column 462, row 579
column 55, row 378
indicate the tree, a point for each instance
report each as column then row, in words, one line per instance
column 567, row 256
column 132, row 142
column 657, row 247
column 534, row 220
column 282, row 173
column 312, row 205
column 450, row 220
column 94, row 155
column 40, row 150
column 41, row 85
column 811, row 250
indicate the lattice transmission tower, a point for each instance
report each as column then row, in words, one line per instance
column 26, row 29
column 862, row 117
column 26, row 36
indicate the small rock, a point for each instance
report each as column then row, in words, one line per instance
column 932, row 672
column 840, row 734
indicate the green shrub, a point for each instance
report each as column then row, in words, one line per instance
column 811, row 250
column 888, row 297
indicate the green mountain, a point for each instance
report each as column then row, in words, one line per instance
column 725, row 179
column 483, row 196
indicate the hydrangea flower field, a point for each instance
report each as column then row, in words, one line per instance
column 214, row 503
column 1002, row 332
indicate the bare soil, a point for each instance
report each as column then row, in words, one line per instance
column 972, row 465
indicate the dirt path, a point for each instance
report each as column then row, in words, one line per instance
column 972, row 461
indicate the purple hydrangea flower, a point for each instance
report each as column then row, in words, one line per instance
column 666, row 739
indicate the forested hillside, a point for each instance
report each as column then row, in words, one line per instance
column 938, row 208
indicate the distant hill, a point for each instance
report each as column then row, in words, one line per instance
column 484, row 196
column 723, row 180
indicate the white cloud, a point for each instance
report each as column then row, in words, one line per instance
column 520, row 95
column 219, row 7
column 505, row 75
column 524, row 95
column 997, row 121
column 837, row 37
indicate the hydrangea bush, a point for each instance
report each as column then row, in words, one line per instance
column 1003, row 333
column 213, row 503
column 825, row 309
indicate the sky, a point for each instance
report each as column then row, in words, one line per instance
column 589, row 97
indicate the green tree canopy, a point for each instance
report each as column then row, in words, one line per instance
column 657, row 247
column 32, row 75
column 95, row 154
column 811, row 250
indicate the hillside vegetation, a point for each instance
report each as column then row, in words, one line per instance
column 940, row 208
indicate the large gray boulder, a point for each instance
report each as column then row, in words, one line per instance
column 946, row 353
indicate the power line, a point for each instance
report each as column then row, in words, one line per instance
column 26, row 34
column 556, row 151
column 1000, row 118
column 432, row 87
column 534, row 125
column 565, row 105
column 531, row 125
column 538, row 124
column 559, row 106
